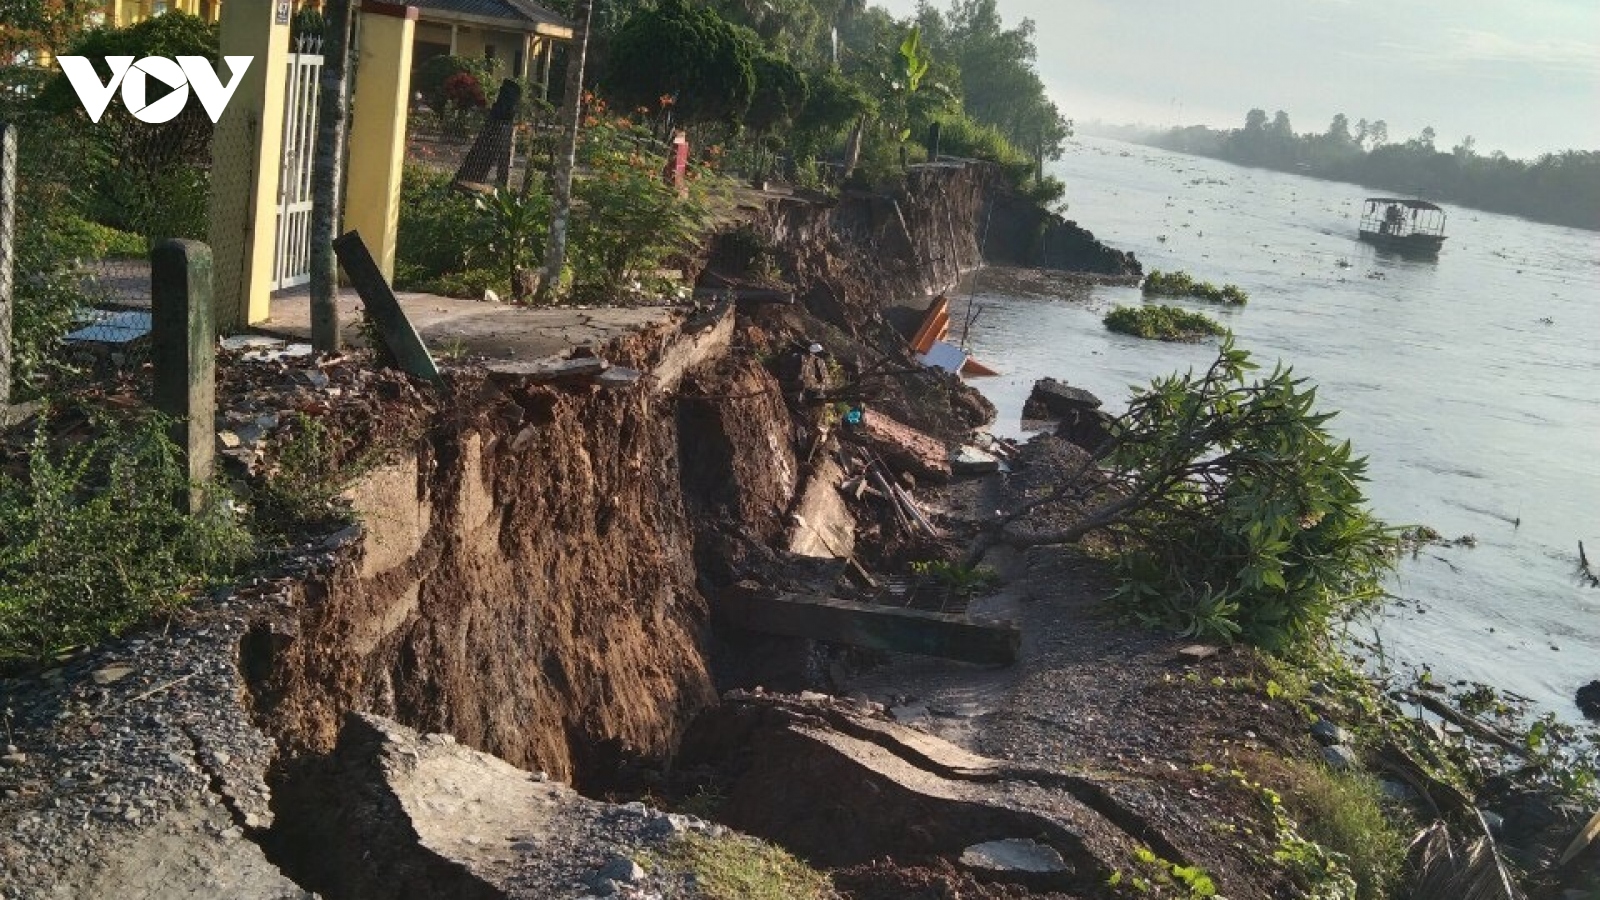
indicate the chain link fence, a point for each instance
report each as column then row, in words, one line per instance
column 93, row 198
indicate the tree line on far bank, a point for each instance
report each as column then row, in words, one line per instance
column 1559, row 188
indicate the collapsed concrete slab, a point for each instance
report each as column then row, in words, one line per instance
column 872, row 627
column 1052, row 398
column 839, row 784
column 396, row 814
column 906, row 449
column 822, row 525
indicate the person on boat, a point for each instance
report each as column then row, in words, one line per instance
column 1392, row 220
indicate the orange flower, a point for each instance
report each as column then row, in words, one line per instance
column 666, row 100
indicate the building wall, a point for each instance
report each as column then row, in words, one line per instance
column 505, row 48
column 515, row 54
column 122, row 13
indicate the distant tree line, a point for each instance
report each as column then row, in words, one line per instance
column 1560, row 188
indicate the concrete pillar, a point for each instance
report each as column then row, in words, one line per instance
column 184, row 346
column 247, row 156
column 378, row 132
column 548, row 47
column 452, row 39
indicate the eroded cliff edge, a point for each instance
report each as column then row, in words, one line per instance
column 528, row 575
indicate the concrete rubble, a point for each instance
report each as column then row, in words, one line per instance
column 411, row 815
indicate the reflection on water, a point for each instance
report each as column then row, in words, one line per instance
column 1472, row 381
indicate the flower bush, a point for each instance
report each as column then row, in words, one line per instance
column 628, row 220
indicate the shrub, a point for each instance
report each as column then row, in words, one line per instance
column 629, row 219
column 441, row 232
column 833, row 104
column 307, row 22
column 303, row 482
column 1162, row 323
column 434, row 75
column 780, row 94
column 1181, row 284
column 1243, row 517
column 91, row 542
column 468, row 285
column 52, row 240
column 463, row 91
column 152, row 180
column 518, row 223
column 960, row 136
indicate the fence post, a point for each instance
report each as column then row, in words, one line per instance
column 184, row 338
column 8, row 236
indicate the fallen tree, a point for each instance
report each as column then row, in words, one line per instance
column 1235, row 513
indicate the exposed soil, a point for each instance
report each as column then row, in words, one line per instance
column 534, row 561
column 1101, row 740
column 1098, row 696
column 486, row 538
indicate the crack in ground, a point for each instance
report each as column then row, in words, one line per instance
column 217, row 785
column 1091, row 794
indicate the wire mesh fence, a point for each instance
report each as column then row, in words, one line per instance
column 92, row 199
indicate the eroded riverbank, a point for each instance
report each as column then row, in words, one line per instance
column 545, row 568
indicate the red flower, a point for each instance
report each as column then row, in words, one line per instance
column 463, row 91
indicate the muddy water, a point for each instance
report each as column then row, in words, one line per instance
column 1472, row 382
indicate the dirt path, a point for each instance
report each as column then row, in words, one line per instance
column 1114, row 702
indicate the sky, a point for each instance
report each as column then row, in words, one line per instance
column 1521, row 76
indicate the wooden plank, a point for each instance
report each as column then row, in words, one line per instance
column 873, row 627
column 394, row 328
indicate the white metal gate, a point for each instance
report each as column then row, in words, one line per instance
column 292, row 261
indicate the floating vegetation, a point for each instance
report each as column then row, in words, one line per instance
column 1162, row 323
column 1182, row 284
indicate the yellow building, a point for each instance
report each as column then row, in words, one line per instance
column 122, row 13
column 517, row 36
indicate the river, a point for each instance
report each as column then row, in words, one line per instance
column 1472, row 383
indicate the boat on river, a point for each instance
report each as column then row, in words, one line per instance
column 1410, row 227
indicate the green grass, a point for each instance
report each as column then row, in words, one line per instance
column 1182, row 284
column 1343, row 812
column 741, row 868
column 1162, row 323
column 92, row 544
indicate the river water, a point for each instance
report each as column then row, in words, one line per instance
column 1472, row 383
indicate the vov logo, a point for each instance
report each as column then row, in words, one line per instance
column 179, row 75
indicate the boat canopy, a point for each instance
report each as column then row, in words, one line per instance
column 1412, row 204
